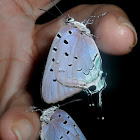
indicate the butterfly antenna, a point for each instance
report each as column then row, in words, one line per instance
column 75, row 100
column 57, row 7
column 47, row 12
column 42, row 9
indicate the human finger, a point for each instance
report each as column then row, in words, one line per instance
column 115, row 33
column 16, row 123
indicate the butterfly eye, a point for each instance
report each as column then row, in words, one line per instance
column 70, row 19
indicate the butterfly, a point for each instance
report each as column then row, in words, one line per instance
column 56, row 124
column 73, row 64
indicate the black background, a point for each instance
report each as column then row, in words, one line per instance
column 120, row 98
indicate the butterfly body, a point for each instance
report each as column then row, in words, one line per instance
column 58, row 125
column 80, row 25
column 74, row 64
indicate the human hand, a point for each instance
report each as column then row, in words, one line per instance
column 22, row 42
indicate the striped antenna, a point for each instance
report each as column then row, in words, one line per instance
column 56, row 7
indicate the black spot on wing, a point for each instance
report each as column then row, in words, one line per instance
column 61, row 137
column 58, row 35
column 65, row 41
column 74, row 125
column 70, row 32
column 65, row 122
column 95, row 57
column 54, row 49
column 86, row 73
column 66, row 54
column 68, row 132
column 53, row 59
column 79, row 69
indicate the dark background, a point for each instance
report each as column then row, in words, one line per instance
column 120, row 98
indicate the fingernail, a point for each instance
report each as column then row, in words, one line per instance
column 17, row 134
column 126, row 22
column 23, row 129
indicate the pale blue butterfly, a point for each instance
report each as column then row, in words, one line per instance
column 56, row 124
column 74, row 64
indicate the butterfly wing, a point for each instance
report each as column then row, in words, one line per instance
column 73, row 64
column 78, row 62
column 52, row 90
column 61, row 126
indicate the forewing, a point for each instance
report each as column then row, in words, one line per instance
column 52, row 90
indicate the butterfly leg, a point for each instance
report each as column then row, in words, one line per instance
column 100, row 113
column 94, row 36
column 90, row 100
column 33, row 109
column 103, row 14
column 84, row 21
column 100, row 99
column 89, row 21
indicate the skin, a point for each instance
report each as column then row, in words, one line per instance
column 22, row 43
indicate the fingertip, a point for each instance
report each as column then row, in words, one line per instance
column 125, row 22
column 23, row 129
column 116, row 34
column 5, row 131
column 18, row 124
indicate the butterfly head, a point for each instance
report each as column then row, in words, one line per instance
column 69, row 20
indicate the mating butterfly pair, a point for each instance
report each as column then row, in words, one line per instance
column 74, row 64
